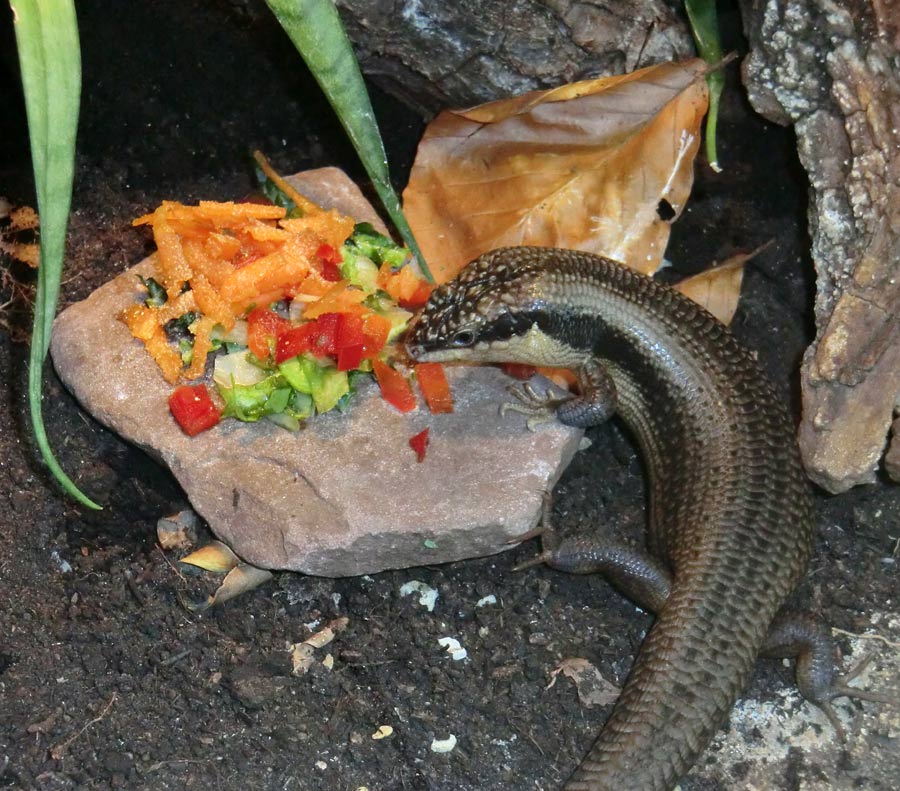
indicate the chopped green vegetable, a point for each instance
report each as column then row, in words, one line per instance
column 237, row 367
column 358, row 269
column 156, row 294
column 273, row 192
column 334, row 386
column 325, row 384
column 186, row 350
column 378, row 247
column 182, row 323
column 251, row 402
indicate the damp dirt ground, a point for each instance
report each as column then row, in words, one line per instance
column 106, row 681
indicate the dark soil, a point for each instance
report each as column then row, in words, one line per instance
column 106, row 681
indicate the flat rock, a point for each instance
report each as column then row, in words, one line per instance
column 344, row 495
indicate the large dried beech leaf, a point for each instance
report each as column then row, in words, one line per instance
column 584, row 166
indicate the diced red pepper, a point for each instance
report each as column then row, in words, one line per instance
column 326, row 334
column 349, row 357
column 263, row 329
column 394, row 387
column 329, row 254
column 434, row 386
column 518, row 371
column 419, row 443
column 349, row 331
column 295, row 341
column 193, row 409
column 331, row 260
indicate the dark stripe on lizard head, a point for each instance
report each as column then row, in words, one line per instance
column 495, row 310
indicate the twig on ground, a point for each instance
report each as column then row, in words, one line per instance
column 58, row 751
column 882, row 638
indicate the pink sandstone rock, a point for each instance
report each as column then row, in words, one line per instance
column 344, row 495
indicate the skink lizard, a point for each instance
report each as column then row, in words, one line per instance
column 730, row 510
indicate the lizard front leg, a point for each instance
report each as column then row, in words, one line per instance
column 595, row 402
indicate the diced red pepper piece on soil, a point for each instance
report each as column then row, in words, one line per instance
column 419, row 443
column 434, row 386
column 193, row 409
column 518, row 371
column 263, row 328
column 394, row 387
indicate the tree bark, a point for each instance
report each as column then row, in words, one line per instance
column 833, row 71
column 436, row 55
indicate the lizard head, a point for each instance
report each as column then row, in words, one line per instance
column 495, row 310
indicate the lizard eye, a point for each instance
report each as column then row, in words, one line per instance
column 463, row 338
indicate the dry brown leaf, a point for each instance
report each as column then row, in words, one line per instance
column 215, row 556
column 242, row 578
column 718, row 289
column 584, row 166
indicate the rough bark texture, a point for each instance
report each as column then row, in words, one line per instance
column 833, row 70
column 435, row 55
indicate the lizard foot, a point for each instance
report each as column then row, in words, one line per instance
column 540, row 407
column 806, row 637
column 543, row 530
column 840, row 688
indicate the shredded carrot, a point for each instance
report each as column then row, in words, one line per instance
column 341, row 298
column 183, row 303
column 331, row 225
column 143, row 323
column 284, row 267
column 202, row 346
column 210, row 303
column 211, row 259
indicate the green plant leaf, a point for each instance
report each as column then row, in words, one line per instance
column 50, row 61
column 705, row 27
column 316, row 30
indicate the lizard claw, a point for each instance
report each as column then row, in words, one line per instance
column 540, row 407
column 841, row 688
column 537, row 560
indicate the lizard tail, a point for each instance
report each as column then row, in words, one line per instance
column 684, row 682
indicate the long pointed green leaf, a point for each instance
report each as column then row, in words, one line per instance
column 705, row 26
column 316, row 30
column 50, row 61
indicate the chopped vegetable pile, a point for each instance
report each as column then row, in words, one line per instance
column 296, row 309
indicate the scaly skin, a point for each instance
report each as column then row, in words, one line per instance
column 729, row 503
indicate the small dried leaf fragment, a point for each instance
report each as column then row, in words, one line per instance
column 22, row 221
column 242, row 578
column 215, row 556
column 584, row 166
column 303, row 653
column 593, row 689
column 718, row 289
